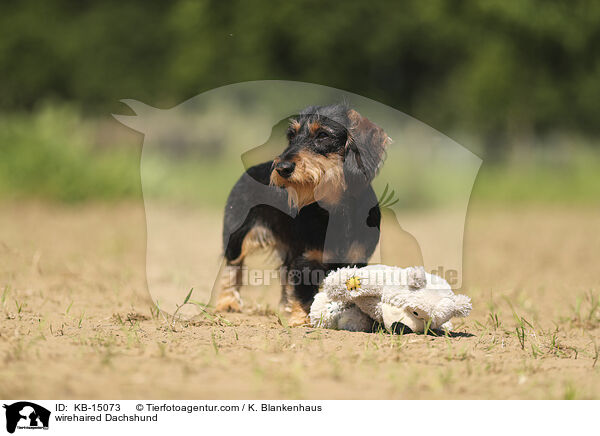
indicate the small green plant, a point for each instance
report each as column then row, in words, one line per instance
column 5, row 292
column 154, row 311
column 398, row 329
column 59, row 332
column 387, row 200
column 117, row 317
column 185, row 301
column 160, row 312
column 19, row 308
column 586, row 316
column 594, row 305
column 427, row 330
column 535, row 351
column 480, row 326
column 494, row 320
column 520, row 328
column 397, row 340
column 521, row 336
column 213, row 318
column 214, row 342
column 554, row 341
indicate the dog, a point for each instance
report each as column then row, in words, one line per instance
column 321, row 212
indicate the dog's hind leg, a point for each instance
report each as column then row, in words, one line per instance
column 229, row 298
column 304, row 277
column 286, row 288
column 241, row 243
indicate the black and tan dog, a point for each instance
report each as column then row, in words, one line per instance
column 321, row 212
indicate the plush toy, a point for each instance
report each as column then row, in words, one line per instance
column 356, row 299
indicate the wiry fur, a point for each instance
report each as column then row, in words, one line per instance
column 315, row 178
column 323, row 176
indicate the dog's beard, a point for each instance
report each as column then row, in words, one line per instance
column 315, row 178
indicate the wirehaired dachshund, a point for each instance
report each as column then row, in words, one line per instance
column 314, row 205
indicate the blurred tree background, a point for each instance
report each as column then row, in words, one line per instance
column 506, row 73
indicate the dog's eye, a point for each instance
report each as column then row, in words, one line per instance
column 322, row 135
column 291, row 133
column 415, row 313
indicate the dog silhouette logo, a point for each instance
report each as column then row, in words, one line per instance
column 26, row 415
column 193, row 150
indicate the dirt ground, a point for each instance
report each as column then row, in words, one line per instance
column 76, row 319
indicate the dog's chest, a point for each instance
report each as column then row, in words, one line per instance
column 311, row 223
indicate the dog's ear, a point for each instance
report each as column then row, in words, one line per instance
column 365, row 150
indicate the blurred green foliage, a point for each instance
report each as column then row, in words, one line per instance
column 511, row 76
column 54, row 154
column 498, row 70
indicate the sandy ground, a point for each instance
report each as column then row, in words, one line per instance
column 76, row 319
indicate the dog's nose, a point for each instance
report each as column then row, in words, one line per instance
column 285, row 169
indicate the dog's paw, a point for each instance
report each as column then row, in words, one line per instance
column 298, row 316
column 299, row 321
column 229, row 302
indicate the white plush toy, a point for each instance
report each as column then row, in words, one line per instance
column 355, row 298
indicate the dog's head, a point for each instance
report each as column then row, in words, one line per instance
column 331, row 150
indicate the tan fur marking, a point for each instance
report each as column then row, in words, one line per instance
column 355, row 118
column 316, row 255
column 359, row 123
column 287, row 292
column 229, row 302
column 294, row 124
column 316, row 177
column 313, row 127
column 229, row 299
column 257, row 237
column 299, row 316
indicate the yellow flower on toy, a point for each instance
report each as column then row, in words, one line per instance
column 353, row 283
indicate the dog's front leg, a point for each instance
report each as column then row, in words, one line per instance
column 304, row 277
